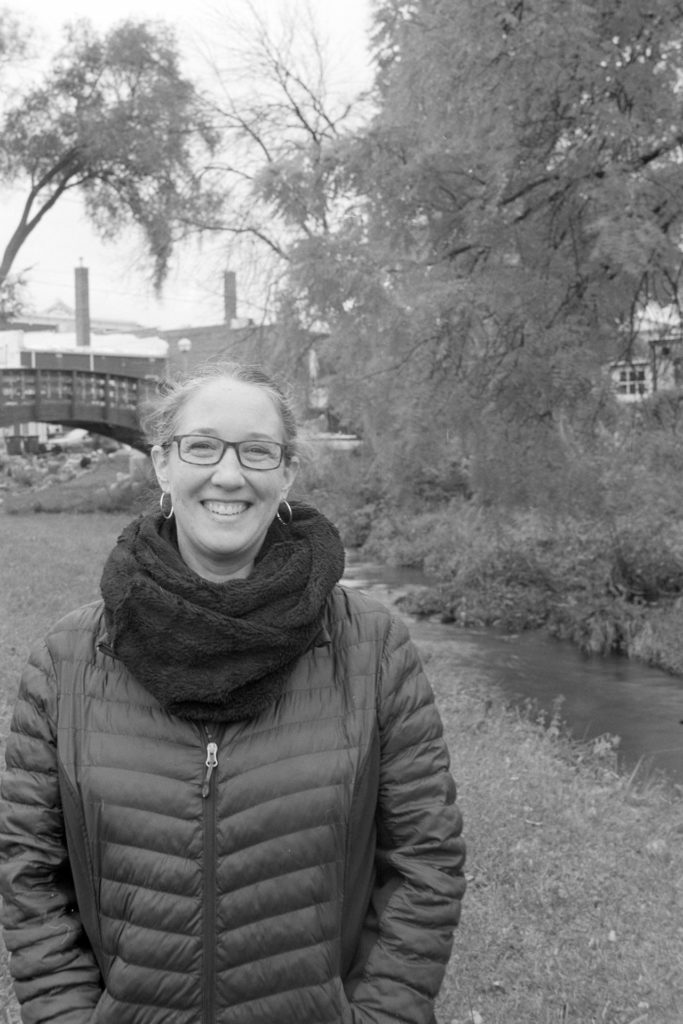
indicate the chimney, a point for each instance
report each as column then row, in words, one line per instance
column 82, row 306
column 229, row 296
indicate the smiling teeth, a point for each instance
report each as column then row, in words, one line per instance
column 225, row 508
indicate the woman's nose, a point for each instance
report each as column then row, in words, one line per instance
column 229, row 468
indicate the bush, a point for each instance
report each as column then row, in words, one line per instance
column 398, row 538
column 344, row 486
column 646, row 562
column 602, row 625
column 659, row 641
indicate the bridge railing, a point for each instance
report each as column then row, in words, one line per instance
column 109, row 393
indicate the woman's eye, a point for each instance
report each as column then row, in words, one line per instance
column 261, row 452
column 198, row 447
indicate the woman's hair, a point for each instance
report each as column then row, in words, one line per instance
column 162, row 409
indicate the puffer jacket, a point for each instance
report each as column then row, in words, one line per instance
column 302, row 867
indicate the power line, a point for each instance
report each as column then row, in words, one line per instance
column 138, row 296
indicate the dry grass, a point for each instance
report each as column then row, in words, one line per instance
column 50, row 564
column 574, row 913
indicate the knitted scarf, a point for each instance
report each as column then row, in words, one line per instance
column 218, row 651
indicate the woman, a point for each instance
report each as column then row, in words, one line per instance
column 227, row 795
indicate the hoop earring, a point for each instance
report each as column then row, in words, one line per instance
column 288, row 511
column 163, row 495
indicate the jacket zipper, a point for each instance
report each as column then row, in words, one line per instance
column 211, row 763
column 209, row 890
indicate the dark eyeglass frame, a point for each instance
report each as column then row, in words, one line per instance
column 236, row 445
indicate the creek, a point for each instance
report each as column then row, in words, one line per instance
column 601, row 696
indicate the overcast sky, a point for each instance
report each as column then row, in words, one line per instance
column 118, row 277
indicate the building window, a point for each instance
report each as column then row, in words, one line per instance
column 632, row 380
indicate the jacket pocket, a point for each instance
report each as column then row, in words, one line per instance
column 346, row 1014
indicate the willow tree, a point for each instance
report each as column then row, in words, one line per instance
column 114, row 119
column 518, row 199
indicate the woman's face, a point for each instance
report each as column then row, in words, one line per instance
column 223, row 512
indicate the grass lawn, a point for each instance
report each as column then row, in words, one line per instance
column 574, row 913
column 50, row 564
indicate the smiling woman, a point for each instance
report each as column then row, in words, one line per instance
column 225, row 495
column 228, row 793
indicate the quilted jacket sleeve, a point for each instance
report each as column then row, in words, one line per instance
column 415, row 907
column 56, row 978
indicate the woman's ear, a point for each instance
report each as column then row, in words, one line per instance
column 291, row 470
column 160, row 463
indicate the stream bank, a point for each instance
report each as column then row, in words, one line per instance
column 624, row 707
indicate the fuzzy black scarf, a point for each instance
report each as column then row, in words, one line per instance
column 218, row 651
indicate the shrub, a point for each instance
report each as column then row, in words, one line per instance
column 659, row 641
column 646, row 562
column 344, row 486
column 603, row 625
column 398, row 538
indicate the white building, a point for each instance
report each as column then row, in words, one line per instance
column 656, row 363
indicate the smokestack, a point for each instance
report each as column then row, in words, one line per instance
column 230, row 296
column 82, row 306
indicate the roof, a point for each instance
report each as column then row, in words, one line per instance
column 102, row 344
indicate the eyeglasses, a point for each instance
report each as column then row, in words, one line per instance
column 207, row 450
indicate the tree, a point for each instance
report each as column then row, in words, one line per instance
column 14, row 39
column 518, row 199
column 12, row 300
column 115, row 119
column 14, row 48
column 281, row 116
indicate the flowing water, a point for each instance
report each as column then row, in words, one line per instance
column 611, row 695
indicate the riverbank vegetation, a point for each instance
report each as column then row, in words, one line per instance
column 574, row 910
column 585, row 543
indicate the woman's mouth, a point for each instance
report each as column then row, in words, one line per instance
column 226, row 508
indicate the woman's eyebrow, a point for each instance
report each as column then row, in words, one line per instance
column 253, row 436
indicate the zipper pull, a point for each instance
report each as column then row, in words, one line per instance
column 211, row 763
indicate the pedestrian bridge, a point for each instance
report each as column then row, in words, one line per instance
column 104, row 403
